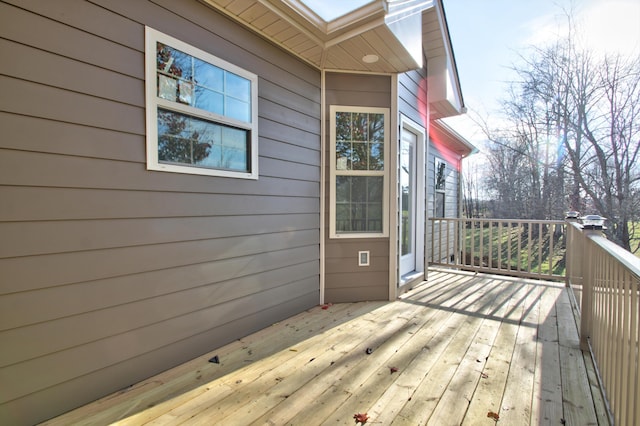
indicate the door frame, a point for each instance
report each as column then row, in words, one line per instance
column 419, row 234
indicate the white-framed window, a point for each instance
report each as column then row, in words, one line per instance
column 359, row 147
column 440, row 181
column 202, row 113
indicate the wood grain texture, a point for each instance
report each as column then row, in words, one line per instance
column 461, row 346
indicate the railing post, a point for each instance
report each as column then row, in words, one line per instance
column 570, row 247
column 588, row 286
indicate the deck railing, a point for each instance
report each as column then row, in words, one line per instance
column 606, row 282
column 604, row 277
column 527, row 248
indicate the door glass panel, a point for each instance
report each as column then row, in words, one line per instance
column 407, row 179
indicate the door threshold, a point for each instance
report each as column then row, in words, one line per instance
column 411, row 276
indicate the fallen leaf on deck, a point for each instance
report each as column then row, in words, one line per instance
column 393, row 370
column 493, row 415
column 326, row 306
column 361, row 418
column 484, row 375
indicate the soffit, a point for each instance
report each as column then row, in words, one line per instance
column 340, row 44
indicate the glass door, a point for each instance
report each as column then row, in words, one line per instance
column 408, row 201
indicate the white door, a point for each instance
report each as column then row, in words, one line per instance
column 408, row 201
column 412, row 200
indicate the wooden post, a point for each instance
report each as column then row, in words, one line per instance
column 571, row 250
column 588, row 284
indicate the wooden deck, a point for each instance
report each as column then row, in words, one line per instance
column 461, row 349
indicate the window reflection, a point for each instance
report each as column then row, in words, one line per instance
column 187, row 140
column 359, row 141
column 359, row 203
column 188, row 80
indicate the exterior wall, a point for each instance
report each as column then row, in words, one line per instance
column 451, row 206
column 345, row 281
column 112, row 273
column 414, row 106
column 412, row 103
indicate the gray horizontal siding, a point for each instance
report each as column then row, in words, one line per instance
column 450, row 206
column 43, row 237
column 102, row 381
column 102, row 331
column 41, row 169
column 345, row 281
column 37, row 203
column 112, row 273
column 409, row 104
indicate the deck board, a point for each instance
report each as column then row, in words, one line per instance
column 461, row 346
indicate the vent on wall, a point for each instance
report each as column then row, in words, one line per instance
column 363, row 258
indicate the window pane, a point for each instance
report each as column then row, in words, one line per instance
column 187, row 140
column 189, row 80
column 376, row 128
column 360, row 126
column 376, row 156
column 441, row 177
column 359, row 156
column 343, row 126
column 237, row 109
column 439, row 205
column 208, row 75
column 238, row 87
column 209, row 100
column 359, row 141
column 359, row 204
column 343, row 156
column 173, row 62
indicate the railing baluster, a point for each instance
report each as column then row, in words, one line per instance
column 499, row 245
column 540, row 242
column 481, row 254
column 634, row 354
column 607, row 320
column 635, row 299
column 456, row 240
column 499, row 241
column 529, row 245
column 551, row 237
column 433, row 239
column 624, row 354
column 490, row 237
column 617, row 334
column 518, row 260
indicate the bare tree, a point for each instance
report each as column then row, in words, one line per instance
column 573, row 137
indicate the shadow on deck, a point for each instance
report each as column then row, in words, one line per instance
column 462, row 348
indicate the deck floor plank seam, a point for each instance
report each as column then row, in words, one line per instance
column 462, row 346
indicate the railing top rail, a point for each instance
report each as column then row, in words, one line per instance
column 482, row 219
column 626, row 258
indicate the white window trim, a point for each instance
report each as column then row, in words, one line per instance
column 153, row 102
column 332, row 174
column 436, row 164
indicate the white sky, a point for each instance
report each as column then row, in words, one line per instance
column 488, row 35
column 332, row 9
